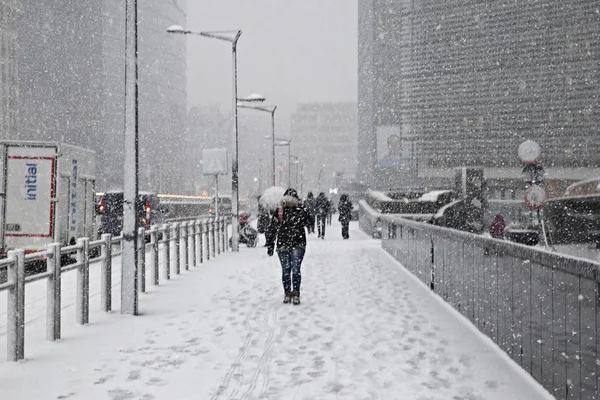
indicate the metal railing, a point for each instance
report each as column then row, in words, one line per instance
column 541, row 308
column 367, row 218
column 184, row 244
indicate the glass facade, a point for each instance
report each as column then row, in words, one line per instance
column 467, row 81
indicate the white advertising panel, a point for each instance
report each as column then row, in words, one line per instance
column 29, row 194
column 215, row 161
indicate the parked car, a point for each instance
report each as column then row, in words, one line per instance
column 225, row 206
column 110, row 209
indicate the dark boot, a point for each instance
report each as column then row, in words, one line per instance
column 295, row 298
column 287, row 298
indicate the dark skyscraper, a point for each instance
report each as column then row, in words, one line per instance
column 468, row 81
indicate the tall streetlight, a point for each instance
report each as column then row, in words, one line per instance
column 230, row 37
column 271, row 110
column 129, row 288
column 288, row 143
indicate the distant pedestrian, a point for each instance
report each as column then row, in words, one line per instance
column 345, row 210
column 310, row 206
column 331, row 212
column 288, row 231
column 322, row 210
column 497, row 227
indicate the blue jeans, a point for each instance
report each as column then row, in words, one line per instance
column 291, row 260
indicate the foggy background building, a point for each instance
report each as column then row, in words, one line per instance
column 324, row 137
column 71, row 84
column 468, row 82
column 8, row 69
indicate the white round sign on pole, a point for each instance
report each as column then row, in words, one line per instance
column 529, row 152
column 535, row 197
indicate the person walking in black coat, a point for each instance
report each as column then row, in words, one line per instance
column 322, row 210
column 345, row 210
column 287, row 229
column 310, row 206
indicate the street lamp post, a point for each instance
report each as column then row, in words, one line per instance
column 129, row 287
column 270, row 110
column 231, row 37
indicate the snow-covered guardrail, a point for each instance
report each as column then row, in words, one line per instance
column 184, row 244
column 540, row 307
column 368, row 219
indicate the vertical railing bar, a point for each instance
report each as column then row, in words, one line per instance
column 182, row 246
column 167, row 242
column 12, row 308
column 213, row 238
column 80, row 296
column 154, row 252
column 53, row 293
column 142, row 260
column 177, row 250
column 106, row 273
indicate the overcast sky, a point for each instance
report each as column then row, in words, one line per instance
column 291, row 51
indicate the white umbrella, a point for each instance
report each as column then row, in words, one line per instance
column 271, row 198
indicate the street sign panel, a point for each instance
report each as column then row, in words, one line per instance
column 535, row 197
column 214, row 161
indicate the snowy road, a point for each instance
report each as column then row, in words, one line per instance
column 366, row 330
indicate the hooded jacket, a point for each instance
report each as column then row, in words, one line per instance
column 322, row 205
column 345, row 208
column 288, row 225
column 497, row 227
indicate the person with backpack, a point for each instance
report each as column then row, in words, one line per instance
column 322, row 210
column 309, row 205
column 287, row 230
column 345, row 210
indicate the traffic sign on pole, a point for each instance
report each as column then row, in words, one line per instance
column 535, row 197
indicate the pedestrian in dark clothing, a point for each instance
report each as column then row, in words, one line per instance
column 287, row 230
column 497, row 227
column 322, row 210
column 331, row 212
column 345, row 210
column 310, row 206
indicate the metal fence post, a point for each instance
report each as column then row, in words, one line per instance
column 183, row 245
column 200, row 243
column 82, row 298
column 106, row 273
column 154, row 253
column 16, row 310
column 53, row 302
column 218, row 234
column 142, row 260
column 12, row 308
column 192, row 244
column 177, row 251
column 21, row 303
column 166, row 240
column 213, row 238
column 207, row 240
column 225, row 245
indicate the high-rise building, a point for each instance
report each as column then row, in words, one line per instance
column 72, row 85
column 8, row 69
column 324, row 137
column 466, row 82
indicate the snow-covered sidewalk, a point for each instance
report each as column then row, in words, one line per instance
column 366, row 329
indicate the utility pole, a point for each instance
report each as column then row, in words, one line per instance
column 129, row 287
